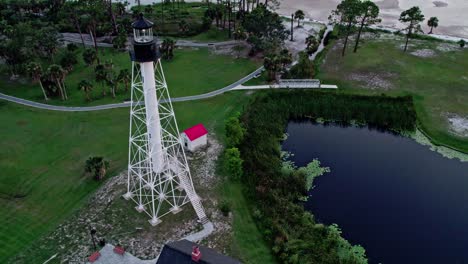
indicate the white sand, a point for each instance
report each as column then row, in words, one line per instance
column 453, row 18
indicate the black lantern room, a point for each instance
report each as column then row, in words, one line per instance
column 144, row 45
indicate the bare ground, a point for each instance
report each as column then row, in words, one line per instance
column 458, row 124
column 300, row 35
column 116, row 220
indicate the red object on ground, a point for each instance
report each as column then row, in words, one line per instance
column 119, row 250
column 196, row 254
column 195, row 132
column 94, row 256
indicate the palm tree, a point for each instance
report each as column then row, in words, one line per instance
column 167, row 48
column 124, row 76
column 89, row 56
column 433, row 22
column 183, row 26
column 299, row 15
column 101, row 76
column 34, row 70
column 86, row 86
column 272, row 65
column 285, row 58
column 149, row 9
column 57, row 75
column 111, row 77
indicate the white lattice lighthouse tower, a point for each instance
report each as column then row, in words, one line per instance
column 159, row 179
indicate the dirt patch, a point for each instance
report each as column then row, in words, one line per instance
column 374, row 80
column 424, row 53
column 116, row 220
column 237, row 50
column 458, row 124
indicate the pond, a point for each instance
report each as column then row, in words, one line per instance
column 398, row 199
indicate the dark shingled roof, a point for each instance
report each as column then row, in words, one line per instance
column 180, row 252
column 142, row 23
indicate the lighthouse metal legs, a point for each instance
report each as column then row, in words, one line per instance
column 159, row 179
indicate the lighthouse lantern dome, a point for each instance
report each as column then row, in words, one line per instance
column 142, row 30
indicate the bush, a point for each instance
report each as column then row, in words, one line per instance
column 234, row 131
column 98, row 166
column 68, row 60
column 72, row 47
column 462, row 43
column 225, row 207
column 304, row 69
column 233, row 163
column 330, row 35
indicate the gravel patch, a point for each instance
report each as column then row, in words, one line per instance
column 424, row 53
column 231, row 50
column 374, row 80
column 446, row 47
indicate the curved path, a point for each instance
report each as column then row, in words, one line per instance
column 126, row 104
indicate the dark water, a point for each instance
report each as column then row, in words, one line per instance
column 401, row 201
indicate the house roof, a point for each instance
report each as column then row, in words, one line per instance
column 180, row 252
column 195, row 132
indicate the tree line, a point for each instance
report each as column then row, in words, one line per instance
column 275, row 194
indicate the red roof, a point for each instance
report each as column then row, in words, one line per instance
column 195, row 132
column 94, row 256
column 119, row 250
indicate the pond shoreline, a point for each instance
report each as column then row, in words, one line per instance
column 364, row 160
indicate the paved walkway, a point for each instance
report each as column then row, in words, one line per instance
column 75, row 38
column 126, row 104
column 208, row 228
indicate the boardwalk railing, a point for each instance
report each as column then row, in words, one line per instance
column 299, row 83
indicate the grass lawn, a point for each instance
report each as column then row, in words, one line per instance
column 249, row 245
column 438, row 83
column 212, row 35
column 42, row 161
column 191, row 72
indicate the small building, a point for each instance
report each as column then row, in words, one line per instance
column 194, row 137
column 186, row 252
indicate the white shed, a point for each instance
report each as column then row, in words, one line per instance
column 194, row 137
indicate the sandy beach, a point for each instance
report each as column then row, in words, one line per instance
column 452, row 14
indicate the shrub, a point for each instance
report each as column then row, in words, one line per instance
column 68, row 60
column 72, row 47
column 98, row 166
column 234, row 131
column 462, row 43
column 225, row 207
column 233, row 163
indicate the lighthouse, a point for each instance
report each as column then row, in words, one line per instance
column 159, row 179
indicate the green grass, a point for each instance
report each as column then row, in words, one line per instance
column 249, row 245
column 438, row 84
column 190, row 72
column 212, row 35
column 43, row 155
